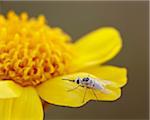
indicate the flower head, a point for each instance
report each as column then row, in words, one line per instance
column 34, row 59
column 30, row 51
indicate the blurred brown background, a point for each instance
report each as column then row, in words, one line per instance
column 78, row 18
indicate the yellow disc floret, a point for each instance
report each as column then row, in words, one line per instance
column 31, row 52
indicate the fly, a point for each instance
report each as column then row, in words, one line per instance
column 91, row 83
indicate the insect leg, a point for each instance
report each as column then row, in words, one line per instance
column 84, row 94
column 94, row 94
column 73, row 88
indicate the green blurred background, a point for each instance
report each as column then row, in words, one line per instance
column 79, row 18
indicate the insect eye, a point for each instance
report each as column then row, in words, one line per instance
column 77, row 81
column 87, row 79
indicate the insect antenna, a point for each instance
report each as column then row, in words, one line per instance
column 84, row 94
column 68, row 79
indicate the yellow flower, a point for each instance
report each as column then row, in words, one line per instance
column 34, row 58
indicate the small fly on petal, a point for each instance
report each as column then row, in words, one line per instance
column 90, row 83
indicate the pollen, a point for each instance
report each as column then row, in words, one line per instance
column 32, row 52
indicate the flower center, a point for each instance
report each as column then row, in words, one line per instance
column 31, row 52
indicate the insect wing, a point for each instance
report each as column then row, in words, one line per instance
column 105, row 91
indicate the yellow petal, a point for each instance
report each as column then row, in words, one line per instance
column 26, row 107
column 110, row 73
column 63, row 92
column 55, row 91
column 9, row 89
column 97, row 47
